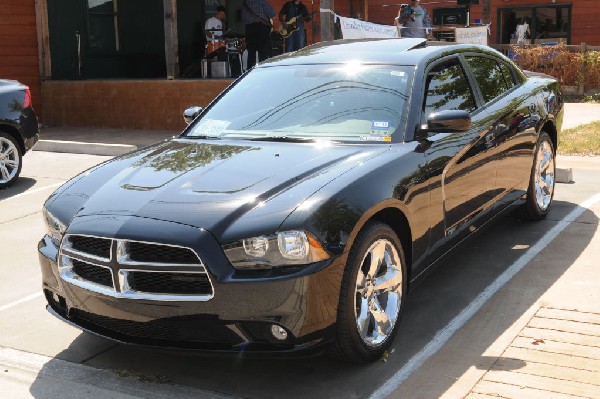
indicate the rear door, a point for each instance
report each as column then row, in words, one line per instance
column 463, row 161
column 512, row 110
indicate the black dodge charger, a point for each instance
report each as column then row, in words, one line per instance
column 295, row 211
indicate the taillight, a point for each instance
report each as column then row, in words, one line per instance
column 27, row 100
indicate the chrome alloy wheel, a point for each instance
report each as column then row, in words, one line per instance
column 544, row 175
column 9, row 160
column 378, row 293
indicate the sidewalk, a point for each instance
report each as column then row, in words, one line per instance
column 539, row 335
column 96, row 141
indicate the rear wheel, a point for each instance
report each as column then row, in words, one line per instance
column 10, row 160
column 541, row 183
column 372, row 295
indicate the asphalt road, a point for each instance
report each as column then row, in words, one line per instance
column 42, row 357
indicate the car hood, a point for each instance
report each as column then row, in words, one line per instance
column 211, row 185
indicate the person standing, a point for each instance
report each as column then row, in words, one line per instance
column 292, row 16
column 522, row 32
column 258, row 15
column 213, row 27
column 415, row 20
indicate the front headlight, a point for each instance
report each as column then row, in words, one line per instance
column 54, row 227
column 286, row 248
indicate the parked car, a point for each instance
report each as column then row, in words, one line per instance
column 298, row 208
column 18, row 129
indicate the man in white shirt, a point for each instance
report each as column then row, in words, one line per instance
column 213, row 27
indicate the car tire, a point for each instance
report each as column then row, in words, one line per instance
column 541, row 182
column 10, row 160
column 371, row 295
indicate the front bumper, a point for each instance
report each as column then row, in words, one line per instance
column 239, row 316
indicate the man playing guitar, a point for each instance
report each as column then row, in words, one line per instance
column 292, row 16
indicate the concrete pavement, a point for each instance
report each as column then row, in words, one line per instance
column 538, row 336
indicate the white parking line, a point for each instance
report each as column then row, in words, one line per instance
column 444, row 335
column 20, row 301
column 34, row 191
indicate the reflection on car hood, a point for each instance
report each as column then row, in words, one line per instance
column 210, row 185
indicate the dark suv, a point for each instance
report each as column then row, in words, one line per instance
column 18, row 129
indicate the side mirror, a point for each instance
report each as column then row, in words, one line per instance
column 191, row 113
column 449, row 121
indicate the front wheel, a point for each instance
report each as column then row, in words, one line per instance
column 541, row 182
column 372, row 295
column 10, row 160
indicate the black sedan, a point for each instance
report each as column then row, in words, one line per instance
column 296, row 210
column 18, row 129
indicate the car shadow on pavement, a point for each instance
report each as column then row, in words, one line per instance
column 429, row 308
column 20, row 186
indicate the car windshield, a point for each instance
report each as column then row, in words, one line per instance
column 342, row 102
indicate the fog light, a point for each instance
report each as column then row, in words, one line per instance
column 278, row 332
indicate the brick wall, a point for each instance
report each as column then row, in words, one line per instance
column 585, row 14
column 18, row 46
column 130, row 104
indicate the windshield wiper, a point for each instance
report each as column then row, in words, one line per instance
column 202, row 137
column 283, row 139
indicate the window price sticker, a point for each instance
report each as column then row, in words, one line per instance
column 212, row 127
column 380, row 128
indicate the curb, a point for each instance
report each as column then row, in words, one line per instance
column 40, row 374
column 563, row 175
column 76, row 147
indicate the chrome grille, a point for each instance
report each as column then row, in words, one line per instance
column 134, row 269
column 165, row 283
column 94, row 273
column 150, row 253
column 99, row 247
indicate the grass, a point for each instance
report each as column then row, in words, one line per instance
column 580, row 140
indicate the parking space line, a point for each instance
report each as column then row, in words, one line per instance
column 20, row 301
column 34, row 191
column 444, row 335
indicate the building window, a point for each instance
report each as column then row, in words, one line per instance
column 103, row 26
column 547, row 23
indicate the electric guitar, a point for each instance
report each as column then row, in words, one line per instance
column 291, row 26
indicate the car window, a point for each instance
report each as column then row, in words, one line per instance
column 509, row 77
column 447, row 88
column 340, row 102
column 489, row 76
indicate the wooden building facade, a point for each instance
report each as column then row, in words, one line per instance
column 120, row 63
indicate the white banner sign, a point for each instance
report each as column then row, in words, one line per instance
column 476, row 35
column 357, row 29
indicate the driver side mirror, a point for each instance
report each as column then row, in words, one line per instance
column 191, row 113
column 448, row 121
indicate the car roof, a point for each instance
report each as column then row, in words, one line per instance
column 397, row 51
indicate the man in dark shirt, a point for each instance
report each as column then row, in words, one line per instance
column 292, row 16
column 258, row 15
